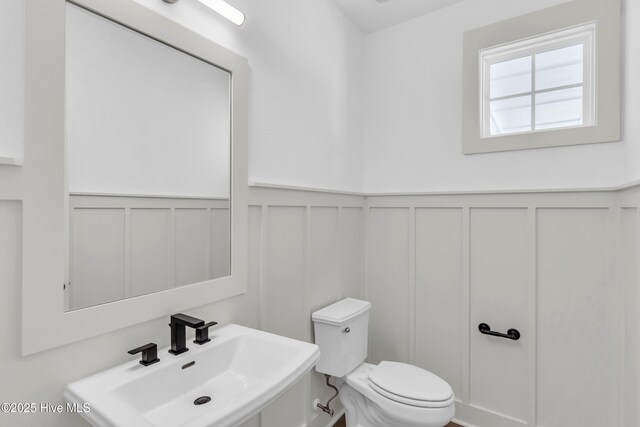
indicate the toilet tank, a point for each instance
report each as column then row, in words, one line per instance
column 342, row 331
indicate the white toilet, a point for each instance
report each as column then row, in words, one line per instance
column 390, row 394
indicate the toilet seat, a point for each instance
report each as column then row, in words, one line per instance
column 410, row 385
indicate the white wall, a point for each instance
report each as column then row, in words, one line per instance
column 306, row 71
column 413, row 84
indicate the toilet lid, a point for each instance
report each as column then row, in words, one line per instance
column 409, row 384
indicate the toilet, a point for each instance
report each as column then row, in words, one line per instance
column 390, row 394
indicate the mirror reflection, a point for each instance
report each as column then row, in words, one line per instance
column 148, row 163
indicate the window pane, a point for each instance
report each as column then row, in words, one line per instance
column 560, row 67
column 559, row 108
column 510, row 77
column 511, row 115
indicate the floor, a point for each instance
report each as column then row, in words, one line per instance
column 342, row 423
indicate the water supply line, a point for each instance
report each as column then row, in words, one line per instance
column 326, row 408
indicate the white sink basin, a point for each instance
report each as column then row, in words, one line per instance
column 241, row 369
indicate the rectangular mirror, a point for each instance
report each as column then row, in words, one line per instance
column 148, row 155
column 135, row 170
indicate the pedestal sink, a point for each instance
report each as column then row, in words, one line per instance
column 222, row 383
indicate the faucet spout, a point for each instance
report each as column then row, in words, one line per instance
column 178, row 325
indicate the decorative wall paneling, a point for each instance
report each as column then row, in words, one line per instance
column 544, row 263
column 629, row 276
column 306, row 252
column 122, row 247
column 452, row 260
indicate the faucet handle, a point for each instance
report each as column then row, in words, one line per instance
column 202, row 333
column 149, row 353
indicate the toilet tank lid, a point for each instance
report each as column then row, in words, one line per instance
column 341, row 312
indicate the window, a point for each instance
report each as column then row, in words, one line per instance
column 543, row 79
column 538, row 84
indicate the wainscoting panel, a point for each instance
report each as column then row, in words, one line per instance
column 439, row 318
column 324, row 259
column 629, row 264
column 578, row 320
column 220, row 235
column 629, row 244
column 150, row 250
column 389, row 284
column 125, row 246
column 306, row 252
column 499, row 272
column 560, row 267
column 98, row 256
column 284, row 289
column 191, row 245
column 352, row 255
column 544, row 263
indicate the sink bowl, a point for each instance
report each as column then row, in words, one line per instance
column 241, row 370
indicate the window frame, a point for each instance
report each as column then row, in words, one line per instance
column 604, row 95
column 578, row 35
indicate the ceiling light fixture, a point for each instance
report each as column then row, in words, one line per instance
column 221, row 7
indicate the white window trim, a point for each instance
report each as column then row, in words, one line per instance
column 582, row 34
column 606, row 124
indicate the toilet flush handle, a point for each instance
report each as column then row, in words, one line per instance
column 346, row 330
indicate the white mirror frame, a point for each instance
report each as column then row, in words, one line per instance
column 43, row 185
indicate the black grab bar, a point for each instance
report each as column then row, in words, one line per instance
column 512, row 334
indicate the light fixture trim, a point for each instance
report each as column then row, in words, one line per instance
column 222, row 8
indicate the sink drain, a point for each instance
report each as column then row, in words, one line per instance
column 202, row 400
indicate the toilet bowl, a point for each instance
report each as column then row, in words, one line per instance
column 390, row 394
column 369, row 405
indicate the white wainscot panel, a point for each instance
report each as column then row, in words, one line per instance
column 324, row 256
column 577, row 322
column 220, row 238
column 284, row 285
column 439, row 316
column 389, row 284
column 150, row 251
column 352, row 243
column 628, row 241
column 306, row 250
column 499, row 278
column 191, row 246
column 98, row 256
column 324, row 274
column 164, row 242
column 288, row 410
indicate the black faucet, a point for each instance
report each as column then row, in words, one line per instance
column 178, row 325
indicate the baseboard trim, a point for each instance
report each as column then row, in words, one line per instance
column 483, row 417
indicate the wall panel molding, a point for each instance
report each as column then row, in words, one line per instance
column 581, row 304
column 113, row 234
column 307, row 251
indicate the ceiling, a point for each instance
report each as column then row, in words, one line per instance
column 373, row 15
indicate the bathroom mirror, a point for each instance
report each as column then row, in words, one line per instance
column 148, row 159
column 135, row 170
